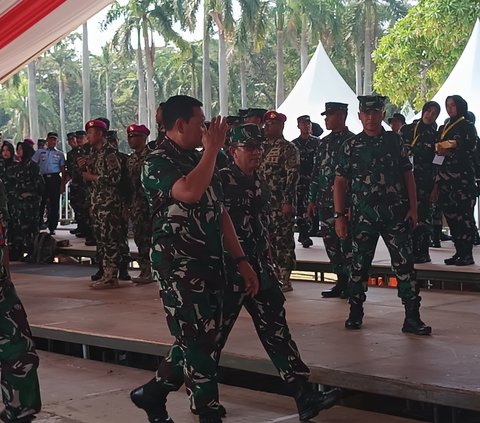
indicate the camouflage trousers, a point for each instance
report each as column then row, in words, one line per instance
column 78, row 198
column 282, row 244
column 304, row 223
column 194, row 318
column 107, row 226
column 124, row 247
column 29, row 228
column 397, row 236
column 142, row 235
column 458, row 209
column 18, row 360
column 423, row 231
column 338, row 251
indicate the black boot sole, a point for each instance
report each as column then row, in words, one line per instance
column 331, row 398
column 427, row 331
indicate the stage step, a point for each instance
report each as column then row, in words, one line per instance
column 80, row 391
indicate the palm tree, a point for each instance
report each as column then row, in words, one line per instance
column 281, row 10
column 32, row 102
column 86, row 74
column 103, row 65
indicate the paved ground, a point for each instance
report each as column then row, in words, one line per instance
column 83, row 391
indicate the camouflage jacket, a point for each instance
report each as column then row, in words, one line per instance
column 375, row 167
column 135, row 162
column 280, row 167
column 29, row 181
column 307, row 150
column 187, row 239
column 125, row 186
column 6, row 285
column 105, row 192
column 321, row 186
column 458, row 170
column 247, row 199
column 70, row 167
column 419, row 142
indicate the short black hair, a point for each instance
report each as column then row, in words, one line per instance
column 178, row 107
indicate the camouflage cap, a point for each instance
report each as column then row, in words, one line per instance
column 246, row 135
column 397, row 116
column 234, row 120
column 253, row 111
column 371, row 102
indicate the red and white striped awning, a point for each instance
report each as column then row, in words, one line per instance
column 29, row 27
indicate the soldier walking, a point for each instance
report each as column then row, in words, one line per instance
column 375, row 167
column 307, row 146
column 339, row 250
column 280, row 168
column 191, row 231
column 138, row 210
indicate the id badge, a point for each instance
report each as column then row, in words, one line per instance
column 438, row 160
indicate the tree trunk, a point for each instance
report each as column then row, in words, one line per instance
column 206, row 77
column 108, row 97
column 280, row 87
column 86, row 75
column 61, row 105
column 222, row 65
column 243, row 83
column 194, row 77
column 303, row 45
column 142, row 98
column 32, row 103
column 149, row 55
column 358, row 71
column 369, row 23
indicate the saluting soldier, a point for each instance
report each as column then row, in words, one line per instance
column 191, row 230
column 375, row 167
column 104, row 173
column 138, row 211
column 247, row 199
column 321, row 195
column 419, row 138
column 307, row 146
column 280, row 169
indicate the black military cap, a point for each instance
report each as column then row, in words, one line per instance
column 80, row 133
column 303, row 118
column 234, row 120
column 371, row 102
column 242, row 112
column 70, row 134
column 52, row 135
column 397, row 116
column 333, row 107
column 256, row 112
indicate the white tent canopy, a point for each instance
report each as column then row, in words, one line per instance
column 319, row 84
column 464, row 79
column 30, row 27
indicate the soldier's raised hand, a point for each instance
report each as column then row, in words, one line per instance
column 214, row 137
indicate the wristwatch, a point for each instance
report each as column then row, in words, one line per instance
column 336, row 214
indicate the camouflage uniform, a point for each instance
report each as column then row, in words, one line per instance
column 247, row 201
column 77, row 188
column 126, row 199
column 106, row 208
column 456, row 182
column 187, row 260
column 308, row 151
column 321, row 193
column 29, row 191
column 9, row 176
column 18, row 358
column 280, row 170
column 374, row 168
column 84, row 194
column 419, row 141
column 139, row 212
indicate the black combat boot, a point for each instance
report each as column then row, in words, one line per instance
column 97, row 276
column 27, row 419
column 151, row 398
column 210, row 418
column 123, row 270
column 422, row 254
column 310, row 401
column 221, row 410
column 355, row 318
column 412, row 322
column 339, row 290
column 437, row 232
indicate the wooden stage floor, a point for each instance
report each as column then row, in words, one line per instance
column 441, row 369
column 315, row 259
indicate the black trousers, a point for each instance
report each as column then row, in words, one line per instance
column 51, row 194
